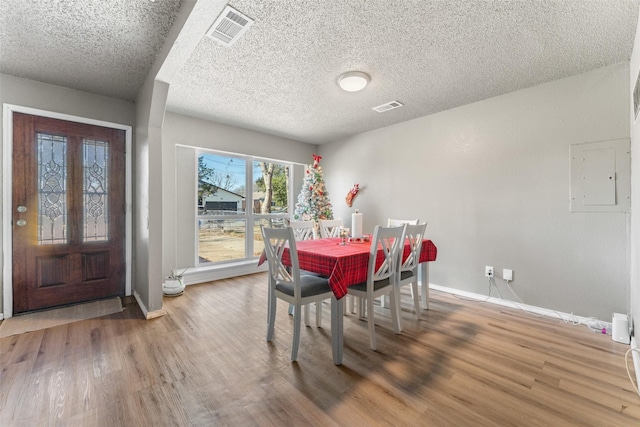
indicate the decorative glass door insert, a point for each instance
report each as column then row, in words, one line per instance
column 96, row 188
column 52, row 192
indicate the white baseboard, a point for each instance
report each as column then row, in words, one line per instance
column 140, row 304
column 636, row 358
column 513, row 304
column 155, row 313
column 148, row 314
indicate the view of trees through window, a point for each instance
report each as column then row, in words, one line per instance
column 234, row 200
column 274, row 182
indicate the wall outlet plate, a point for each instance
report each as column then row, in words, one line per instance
column 488, row 271
column 507, row 274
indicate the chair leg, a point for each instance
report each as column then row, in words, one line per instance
column 271, row 314
column 290, row 309
column 297, row 319
column 372, row 325
column 394, row 303
column 352, row 303
column 307, row 315
column 270, row 295
column 416, row 299
column 361, row 308
column 319, row 314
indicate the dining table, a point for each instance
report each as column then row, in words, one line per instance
column 346, row 263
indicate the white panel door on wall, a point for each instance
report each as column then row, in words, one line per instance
column 601, row 176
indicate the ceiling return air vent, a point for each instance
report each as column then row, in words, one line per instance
column 388, row 106
column 229, row 26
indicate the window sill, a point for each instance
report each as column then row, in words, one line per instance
column 223, row 271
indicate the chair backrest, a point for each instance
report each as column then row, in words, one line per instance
column 414, row 233
column 392, row 222
column 276, row 240
column 304, row 230
column 391, row 241
column 330, row 227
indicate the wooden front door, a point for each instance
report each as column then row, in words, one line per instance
column 68, row 212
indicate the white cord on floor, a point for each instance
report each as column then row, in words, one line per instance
column 626, row 365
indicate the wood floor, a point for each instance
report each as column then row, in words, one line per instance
column 207, row 363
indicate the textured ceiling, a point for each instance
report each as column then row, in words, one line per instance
column 101, row 46
column 431, row 55
column 280, row 77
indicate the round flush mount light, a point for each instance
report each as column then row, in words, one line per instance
column 353, row 81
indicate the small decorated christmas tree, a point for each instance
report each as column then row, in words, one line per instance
column 313, row 203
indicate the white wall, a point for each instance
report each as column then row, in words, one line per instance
column 635, row 184
column 149, row 163
column 492, row 180
column 148, row 184
column 179, row 216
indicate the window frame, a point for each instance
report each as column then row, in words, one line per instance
column 248, row 215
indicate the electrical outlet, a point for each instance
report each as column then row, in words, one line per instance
column 488, row 271
column 507, row 274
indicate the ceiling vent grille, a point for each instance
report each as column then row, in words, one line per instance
column 229, row 26
column 388, row 106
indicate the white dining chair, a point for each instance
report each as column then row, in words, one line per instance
column 392, row 222
column 330, row 227
column 287, row 283
column 381, row 280
column 407, row 271
column 306, row 230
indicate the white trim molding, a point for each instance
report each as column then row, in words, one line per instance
column 517, row 305
column 223, row 271
column 145, row 312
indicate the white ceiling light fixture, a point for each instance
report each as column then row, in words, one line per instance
column 353, row 81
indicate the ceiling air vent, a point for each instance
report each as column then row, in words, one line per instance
column 388, row 106
column 229, row 26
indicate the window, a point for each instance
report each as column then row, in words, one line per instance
column 52, row 191
column 235, row 196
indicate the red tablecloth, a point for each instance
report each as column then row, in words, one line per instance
column 345, row 265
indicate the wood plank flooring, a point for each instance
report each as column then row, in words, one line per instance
column 206, row 362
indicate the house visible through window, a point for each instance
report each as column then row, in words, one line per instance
column 236, row 195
